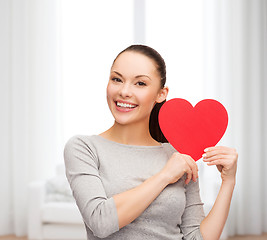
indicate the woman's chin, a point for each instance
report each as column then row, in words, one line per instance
column 123, row 122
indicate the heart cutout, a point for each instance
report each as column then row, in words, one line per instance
column 192, row 129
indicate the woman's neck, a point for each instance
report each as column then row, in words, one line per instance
column 130, row 135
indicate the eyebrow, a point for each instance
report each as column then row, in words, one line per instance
column 138, row 76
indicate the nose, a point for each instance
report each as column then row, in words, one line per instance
column 125, row 90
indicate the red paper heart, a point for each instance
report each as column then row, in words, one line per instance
column 192, row 129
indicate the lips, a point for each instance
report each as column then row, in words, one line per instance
column 125, row 106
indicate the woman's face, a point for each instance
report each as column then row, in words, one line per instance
column 133, row 88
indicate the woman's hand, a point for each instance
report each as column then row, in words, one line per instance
column 224, row 158
column 178, row 165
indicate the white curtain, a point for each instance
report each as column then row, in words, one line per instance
column 226, row 41
column 30, row 138
column 235, row 73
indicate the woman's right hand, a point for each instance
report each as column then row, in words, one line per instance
column 178, row 165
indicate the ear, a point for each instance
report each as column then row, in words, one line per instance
column 162, row 94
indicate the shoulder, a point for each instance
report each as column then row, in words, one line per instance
column 79, row 141
column 80, row 146
column 169, row 149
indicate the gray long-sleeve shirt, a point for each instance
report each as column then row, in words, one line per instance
column 97, row 169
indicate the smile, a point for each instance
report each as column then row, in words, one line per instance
column 125, row 106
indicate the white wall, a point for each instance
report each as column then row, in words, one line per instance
column 5, row 117
column 92, row 36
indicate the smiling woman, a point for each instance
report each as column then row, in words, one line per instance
column 138, row 187
column 130, row 162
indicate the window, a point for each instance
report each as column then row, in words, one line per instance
column 94, row 32
column 174, row 28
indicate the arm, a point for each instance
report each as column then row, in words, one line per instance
column 226, row 161
column 97, row 210
column 212, row 226
column 132, row 203
column 103, row 215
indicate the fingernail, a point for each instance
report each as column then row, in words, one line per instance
column 204, row 155
column 206, row 149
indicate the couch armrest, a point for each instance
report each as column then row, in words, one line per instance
column 36, row 201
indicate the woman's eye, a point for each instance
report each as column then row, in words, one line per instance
column 116, row 80
column 141, row 83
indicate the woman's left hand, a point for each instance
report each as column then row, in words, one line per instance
column 224, row 158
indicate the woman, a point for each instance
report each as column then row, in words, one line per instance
column 128, row 182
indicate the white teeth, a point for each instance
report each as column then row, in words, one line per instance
column 126, row 105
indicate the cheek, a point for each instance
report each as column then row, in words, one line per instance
column 148, row 98
column 110, row 91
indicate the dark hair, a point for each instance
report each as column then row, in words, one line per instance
column 154, row 128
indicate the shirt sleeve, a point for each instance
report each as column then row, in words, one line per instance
column 193, row 214
column 99, row 213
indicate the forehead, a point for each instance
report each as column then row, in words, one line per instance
column 135, row 63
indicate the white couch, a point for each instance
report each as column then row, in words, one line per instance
column 52, row 212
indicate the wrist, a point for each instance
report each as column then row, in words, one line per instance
column 229, row 182
column 164, row 177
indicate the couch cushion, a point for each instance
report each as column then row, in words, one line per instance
column 61, row 212
column 64, row 231
column 58, row 190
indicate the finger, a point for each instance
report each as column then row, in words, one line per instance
column 219, row 156
column 194, row 168
column 215, row 152
column 222, row 162
column 215, row 148
column 215, row 162
column 195, row 172
column 189, row 175
column 227, row 159
column 220, row 149
column 225, row 162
